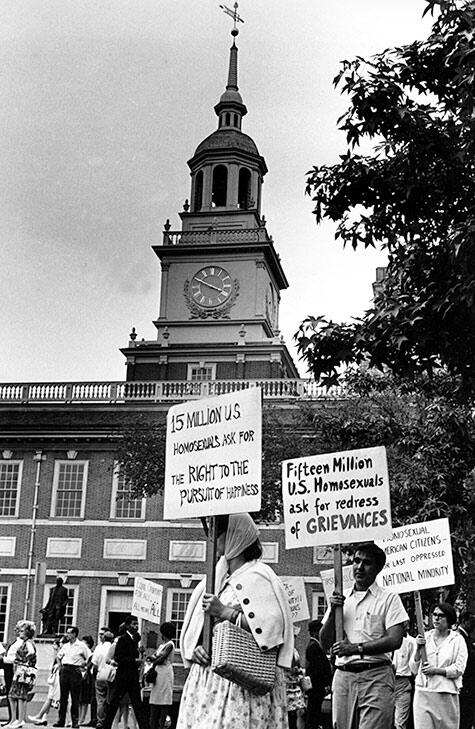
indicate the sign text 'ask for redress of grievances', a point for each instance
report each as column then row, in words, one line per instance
column 336, row 498
column 213, row 456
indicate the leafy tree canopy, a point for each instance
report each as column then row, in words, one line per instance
column 414, row 196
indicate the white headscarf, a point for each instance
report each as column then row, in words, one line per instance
column 240, row 534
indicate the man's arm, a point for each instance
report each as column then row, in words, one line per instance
column 389, row 642
column 327, row 633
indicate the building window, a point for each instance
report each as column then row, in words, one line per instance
column 69, row 489
column 220, row 186
column 123, row 505
column 319, row 605
column 177, row 602
column 4, row 603
column 244, row 190
column 10, row 480
column 198, row 191
column 201, row 372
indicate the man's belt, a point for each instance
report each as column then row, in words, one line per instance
column 357, row 667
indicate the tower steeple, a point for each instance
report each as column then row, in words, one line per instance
column 230, row 108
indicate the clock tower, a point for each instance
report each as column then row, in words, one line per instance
column 221, row 276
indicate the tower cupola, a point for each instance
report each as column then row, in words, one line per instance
column 227, row 170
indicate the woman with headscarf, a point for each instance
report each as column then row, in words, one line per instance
column 438, row 680
column 247, row 589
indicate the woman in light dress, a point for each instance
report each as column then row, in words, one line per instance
column 22, row 653
column 247, row 589
column 52, row 699
column 161, row 695
column 438, row 680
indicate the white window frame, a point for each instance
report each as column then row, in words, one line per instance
column 201, row 365
column 115, row 488
column 7, row 612
column 319, row 605
column 168, row 610
column 18, row 462
column 57, row 467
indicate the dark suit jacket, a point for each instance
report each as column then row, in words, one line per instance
column 468, row 685
column 126, row 653
column 317, row 666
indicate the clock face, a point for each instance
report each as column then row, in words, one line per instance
column 211, row 286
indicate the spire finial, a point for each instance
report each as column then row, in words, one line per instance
column 234, row 15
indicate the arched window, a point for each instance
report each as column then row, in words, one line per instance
column 198, row 201
column 220, row 185
column 236, row 120
column 244, row 192
column 228, row 119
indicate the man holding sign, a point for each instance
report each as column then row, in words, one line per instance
column 373, row 619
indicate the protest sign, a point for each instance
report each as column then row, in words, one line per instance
column 295, row 588
column 418, row 557
column 336, row 498
column 213, row 456
column 328, row 580
column 147, row 600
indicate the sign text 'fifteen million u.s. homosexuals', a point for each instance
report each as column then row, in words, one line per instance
column 336, row 498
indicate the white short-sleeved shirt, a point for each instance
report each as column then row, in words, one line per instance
column 100, row 654
column 366, row 616
column 74, row 654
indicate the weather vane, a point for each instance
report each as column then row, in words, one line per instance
column 234, row 15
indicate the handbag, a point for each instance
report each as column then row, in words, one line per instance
column 106, row 673
column 150, row 675
column 237, row 657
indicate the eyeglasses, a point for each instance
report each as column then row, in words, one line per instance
column 438, row 615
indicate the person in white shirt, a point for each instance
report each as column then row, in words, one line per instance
column 439, row 679
column 73, row 657
column 99, row 659
column 403, row 693
column 373, row 619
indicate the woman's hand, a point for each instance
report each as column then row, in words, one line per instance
column 212, row 605
column 201, row 656
column 420, row 640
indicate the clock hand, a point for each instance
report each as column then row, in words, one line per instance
column 209, row 285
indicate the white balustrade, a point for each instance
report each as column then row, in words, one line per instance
column 160, row 391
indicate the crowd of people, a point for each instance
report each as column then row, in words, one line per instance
column 379, row 677
column 96, row 685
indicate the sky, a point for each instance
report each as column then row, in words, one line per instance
column 102, row 105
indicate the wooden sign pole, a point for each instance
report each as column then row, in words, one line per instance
column 420, row 622
column 210, row 581
column 337, row 565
